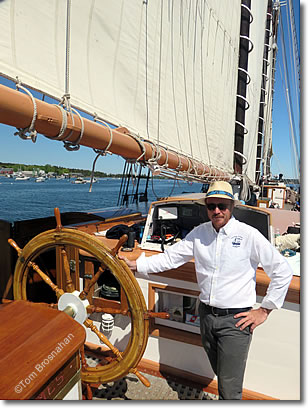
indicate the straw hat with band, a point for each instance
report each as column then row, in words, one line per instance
column 220, row 189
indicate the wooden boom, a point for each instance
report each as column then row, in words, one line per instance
column 16, row 109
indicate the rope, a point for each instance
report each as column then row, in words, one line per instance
column 31, row 129
column 92, row 172
column 71, row 146
column 156, row 155
column 99, row 151
column 141, row 144
column 172, row 75
column 185, row 80
column 202, row 17
column 63, row 124
column 105, row 151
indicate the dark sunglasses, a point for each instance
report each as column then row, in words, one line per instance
column 221, row 206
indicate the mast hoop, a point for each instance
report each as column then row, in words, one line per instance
column 244, row 37
column 266, row 61
column 242, row 156
column 269, row 15
column 264, row 90
column 270, row 34
column 31, row 129
column 247, row 104
column 243, row 126
column 265, row 77
column 248, row 80
column 249, row 11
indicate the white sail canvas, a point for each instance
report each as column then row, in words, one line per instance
column 136, row 64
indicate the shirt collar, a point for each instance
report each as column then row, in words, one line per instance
column 226, row 229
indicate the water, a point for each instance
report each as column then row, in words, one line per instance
column 21, row 200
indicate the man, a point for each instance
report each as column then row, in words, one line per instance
column 227, row 253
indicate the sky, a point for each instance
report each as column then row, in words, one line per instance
column 282, row 144
column 45, row 151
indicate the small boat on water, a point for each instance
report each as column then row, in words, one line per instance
column 181, row 81
column 94, row 180
column 79, row 180
column 40, row 179
column 22, row 178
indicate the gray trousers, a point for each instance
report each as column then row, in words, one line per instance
column 227, row 349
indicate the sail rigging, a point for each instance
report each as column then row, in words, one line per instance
column 166, row 72
column 291, row 85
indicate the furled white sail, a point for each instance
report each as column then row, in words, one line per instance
column 166, row 70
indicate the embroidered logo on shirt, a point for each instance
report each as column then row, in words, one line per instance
column 236, row 241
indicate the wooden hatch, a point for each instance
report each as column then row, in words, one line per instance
column 39, row 349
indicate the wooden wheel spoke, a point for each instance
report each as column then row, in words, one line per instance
column 121, row 242
column 161, row 315
column 88, row 323
column 59, row 292
column 46, row 279
column 67, row 270
column 96, row 309
column 101, row 269
column 90, row 283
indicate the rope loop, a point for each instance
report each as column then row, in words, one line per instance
column 139, row 140
column 74, row 146
column 179, row 166
column 165, row 165
column 22, row 132
column 104, row 152
column 156, row 154
column 152, row 163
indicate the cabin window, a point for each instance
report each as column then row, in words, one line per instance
column 168, row 223
column 168, row 213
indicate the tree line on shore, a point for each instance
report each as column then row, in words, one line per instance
column 57, row 170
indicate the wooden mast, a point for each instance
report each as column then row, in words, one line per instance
column 16, row 109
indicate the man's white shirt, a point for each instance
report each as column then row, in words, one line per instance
column 226, row 263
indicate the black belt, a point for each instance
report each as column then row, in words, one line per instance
column 216, row 311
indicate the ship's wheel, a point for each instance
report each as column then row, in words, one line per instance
column 77, row 303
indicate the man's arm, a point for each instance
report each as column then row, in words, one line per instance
column 280, row 273
column 173, row 257
column 276, row 267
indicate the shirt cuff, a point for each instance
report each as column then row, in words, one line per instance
column 142, row 265
column 267, row 304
